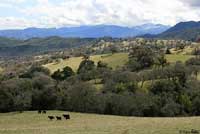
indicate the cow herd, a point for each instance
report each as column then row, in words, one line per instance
column 58, row 118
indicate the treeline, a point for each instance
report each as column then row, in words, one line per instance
column 147, row 86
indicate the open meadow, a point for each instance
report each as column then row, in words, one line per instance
column 34, row 123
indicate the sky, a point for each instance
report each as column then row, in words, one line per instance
column 19, row 14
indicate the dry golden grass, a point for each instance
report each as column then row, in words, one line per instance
column 33, row 123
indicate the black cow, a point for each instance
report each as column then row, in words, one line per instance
column 39, row 111
column 58, row 118
column 66, row 116
column 51, row 117
column 44, row 111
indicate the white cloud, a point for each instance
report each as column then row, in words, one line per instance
column 119, row 12
column 16, row 23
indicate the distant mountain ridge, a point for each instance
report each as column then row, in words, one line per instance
column 86, row 31
column 184, row 30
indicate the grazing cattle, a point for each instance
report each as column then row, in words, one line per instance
column 51, row 117
column 39, row 111
column 66, row 116
column 195, row 131
column 58, row 118
column 44, row 112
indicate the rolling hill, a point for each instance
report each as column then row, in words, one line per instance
column 95, row 31
column 183, row 30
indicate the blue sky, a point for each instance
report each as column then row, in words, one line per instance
column 15, row 14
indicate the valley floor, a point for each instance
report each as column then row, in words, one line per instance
column 33, row 123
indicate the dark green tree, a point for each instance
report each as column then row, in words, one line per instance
column 64, row 74
column 86, row 70
column 141, row 57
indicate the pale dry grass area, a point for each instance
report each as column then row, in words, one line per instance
column 33, row 123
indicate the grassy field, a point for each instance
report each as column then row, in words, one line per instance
column 114, row 61
column 33, row 123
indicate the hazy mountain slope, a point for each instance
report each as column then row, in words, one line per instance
column 184, row 30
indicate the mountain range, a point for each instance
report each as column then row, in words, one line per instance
column 86, row 31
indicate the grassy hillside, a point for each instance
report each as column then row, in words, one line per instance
column 33, row 123
column 115, row 60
